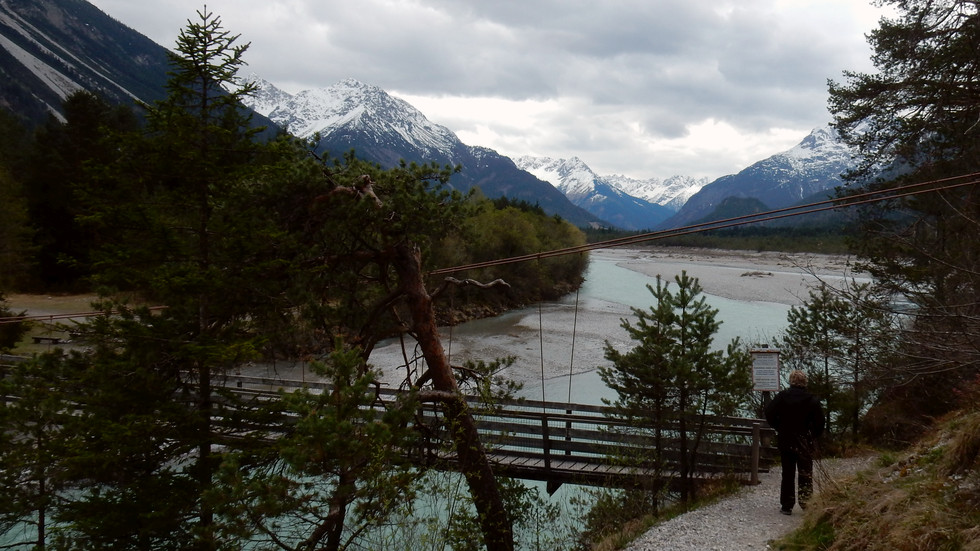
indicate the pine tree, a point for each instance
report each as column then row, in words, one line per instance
column 673, row 374
column 841, row 337
column 66, row 158
column 35, row 429
column 915, row 120
column 171, row 235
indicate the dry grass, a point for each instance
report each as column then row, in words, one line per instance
column 928, row 499
column 964, row 447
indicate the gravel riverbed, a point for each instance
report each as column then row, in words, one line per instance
column 748, row 520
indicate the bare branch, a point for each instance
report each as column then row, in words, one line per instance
column 363, row 188
column 467, row 283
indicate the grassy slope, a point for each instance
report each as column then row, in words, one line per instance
column 926, row 498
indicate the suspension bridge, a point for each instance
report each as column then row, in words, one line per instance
column 566, row 443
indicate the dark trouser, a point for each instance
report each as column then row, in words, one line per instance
column 794, row 461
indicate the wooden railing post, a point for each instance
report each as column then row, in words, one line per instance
column 568, row 431
column 545, row 441
column 756, row 451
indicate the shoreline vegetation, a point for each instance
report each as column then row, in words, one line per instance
column 729, row 273
column 765, row 276
column 738, row 275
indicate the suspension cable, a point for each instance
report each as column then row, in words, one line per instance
column 857, row 199
column 776, row 214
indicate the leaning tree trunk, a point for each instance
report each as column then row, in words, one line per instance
column 494, row 520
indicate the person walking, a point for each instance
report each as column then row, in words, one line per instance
column 798, row 419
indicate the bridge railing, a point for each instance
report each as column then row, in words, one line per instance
column 577, row 436
column 563, row 442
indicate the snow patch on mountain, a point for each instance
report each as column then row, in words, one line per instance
column 58, row 82
column 822, row 147
column 572, row 177
column 672, row 192
column 349, row 104
column 811, row 169
column 576, row 180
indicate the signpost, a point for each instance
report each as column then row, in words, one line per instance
column 765, row 369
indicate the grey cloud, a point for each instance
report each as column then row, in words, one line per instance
column 657, row 65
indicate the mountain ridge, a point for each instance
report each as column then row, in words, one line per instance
column 51, row 48
column 351, row 115
column 595, row 193
column 812, row 168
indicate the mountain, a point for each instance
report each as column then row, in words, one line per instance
column 672, row 193
column 596, row 194
column 385, row 129
column 809, row 171
column 52, row 48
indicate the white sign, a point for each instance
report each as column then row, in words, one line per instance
column 765, row 369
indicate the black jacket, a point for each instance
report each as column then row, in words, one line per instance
column 797, row 417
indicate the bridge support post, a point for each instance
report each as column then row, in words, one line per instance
column 568, row 430
column 545, row 442
column 552, row 483
column 756, row 452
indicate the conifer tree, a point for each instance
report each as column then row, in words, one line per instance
column 66, row 158
column 15, row 230
column 674, row 375
column 842, row 337
column 172, row 234
column 914, row 120
column 34, row 432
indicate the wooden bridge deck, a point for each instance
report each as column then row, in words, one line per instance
column 563, row 443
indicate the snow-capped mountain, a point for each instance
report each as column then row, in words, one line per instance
column 672, row 192
column 351, row 103
column 385, row 129
column 809, row 171
column 266, row 97
column 596, row 194
column 51, row 48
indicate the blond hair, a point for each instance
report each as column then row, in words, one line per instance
column 797, row 378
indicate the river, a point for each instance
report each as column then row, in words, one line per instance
column 570, row 333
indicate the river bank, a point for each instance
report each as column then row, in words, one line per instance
column 557, row 346
column 558, row 343
column 766, row 276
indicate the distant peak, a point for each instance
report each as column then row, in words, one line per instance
column 351, row 82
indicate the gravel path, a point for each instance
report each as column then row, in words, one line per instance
column 745, row 521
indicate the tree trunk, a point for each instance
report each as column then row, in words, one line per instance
column 494, row 520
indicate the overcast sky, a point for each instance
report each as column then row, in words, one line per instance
column 645, row 88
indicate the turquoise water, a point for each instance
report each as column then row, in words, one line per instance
column 559, row 345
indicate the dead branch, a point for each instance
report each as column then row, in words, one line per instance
column 467, row 283
column 363, row 188
column 439, row 396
